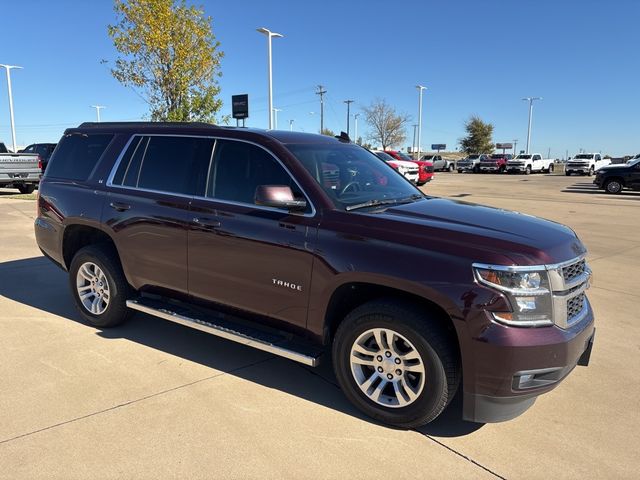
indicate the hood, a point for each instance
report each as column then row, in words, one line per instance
column 405, row 163
column 581, row 160
column 614, row 167
column 483, row 234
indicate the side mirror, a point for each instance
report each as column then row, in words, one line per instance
column 278, row 196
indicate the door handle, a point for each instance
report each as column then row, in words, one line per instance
column 120, row 207
column 206, row 222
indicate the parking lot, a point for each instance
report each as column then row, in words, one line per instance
column 152, row 399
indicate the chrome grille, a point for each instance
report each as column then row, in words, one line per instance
column 575, row 306
column 428, row 169
column 574, row 270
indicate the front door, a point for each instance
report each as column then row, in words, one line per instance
column 254, row 258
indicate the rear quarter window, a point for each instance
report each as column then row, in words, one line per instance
column 77, row 155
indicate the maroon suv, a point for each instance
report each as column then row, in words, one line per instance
column 296, row 244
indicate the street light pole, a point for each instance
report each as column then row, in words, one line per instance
column 530, row 100
column 270, row 35
column 348, row 102
column 420, row 89
column 515, row 144
column 413, row 144
column 13, row 127
column 355, row 125
column 98, row 107
column 275, row 117
column 291, row 125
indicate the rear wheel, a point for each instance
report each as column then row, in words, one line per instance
column 613, row 186
column 26, row 188
column 590, row 172
column 99, row 287
column 550, row 169
column 451, row 168
column 395, row 364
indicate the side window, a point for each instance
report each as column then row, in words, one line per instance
column 77, row 155
column 30, row 149
column 166, row 163
column 598, row 158
column 536, row 157
column 239, row 168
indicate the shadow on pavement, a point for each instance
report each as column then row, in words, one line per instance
column 37, row 282
column 590, row 188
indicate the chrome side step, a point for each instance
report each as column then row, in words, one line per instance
column 223, row 327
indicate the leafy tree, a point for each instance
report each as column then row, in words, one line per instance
column 387, row 127
column 479, row 136
column 327, row 132
column 169, row 54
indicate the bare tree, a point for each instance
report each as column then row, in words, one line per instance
column 387, row 127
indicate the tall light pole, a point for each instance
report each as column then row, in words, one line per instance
column 291, row 125
column 420, row 89
column 413, row 144
column 515, row 144
column 270, row 35
column 275, row 117
column 13, row 127
column 98, row 107
column 348, row 102
column 530, row 100
column 355, row 125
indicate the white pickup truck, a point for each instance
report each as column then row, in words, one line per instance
column 528, row 163
column 585, row 164
column 19, row 170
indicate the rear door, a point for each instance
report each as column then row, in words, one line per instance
column 148, row 207
column 251, row 257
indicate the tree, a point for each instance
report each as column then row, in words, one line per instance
column 479, row 136
column 387, row 127
column 168, row 53
column 327, row 132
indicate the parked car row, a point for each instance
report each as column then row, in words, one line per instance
column 407, row 166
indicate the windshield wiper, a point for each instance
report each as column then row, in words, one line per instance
column 376, row 202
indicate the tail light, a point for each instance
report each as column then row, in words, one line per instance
column 38, row 211
column 39, row 162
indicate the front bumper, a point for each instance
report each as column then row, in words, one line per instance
column 512, row 366
column 516, row 168
column 412, row 177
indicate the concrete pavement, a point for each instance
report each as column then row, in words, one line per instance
column 153, row 399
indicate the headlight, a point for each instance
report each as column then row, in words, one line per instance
column 528, row 291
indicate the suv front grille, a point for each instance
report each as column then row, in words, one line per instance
column 428, row 169
column 574, row 270
column 575, row 306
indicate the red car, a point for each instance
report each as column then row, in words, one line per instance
column 425, row 169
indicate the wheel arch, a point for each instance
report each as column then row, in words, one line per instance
column 76, row 236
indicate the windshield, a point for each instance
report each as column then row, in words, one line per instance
column 428, row 158
column 351, row 175
column 404, row 156
column 583, row 156
column 524, row 157
column 473, row 157
column 384, row 156
column 497, row 156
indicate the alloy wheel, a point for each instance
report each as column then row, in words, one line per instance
column 92, row 288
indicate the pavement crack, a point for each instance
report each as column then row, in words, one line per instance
column 131, row 402
column 462, row 455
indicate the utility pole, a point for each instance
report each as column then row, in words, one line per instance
column 98, row 107
column 515, row 144
column 291, row 125
column 275, row 117
column 420, row 89
column 530, row 100
column 270, row 35
column 348, row 102
column 321, row 91
column 355, row 122
column 13, row 126
column 549, row 153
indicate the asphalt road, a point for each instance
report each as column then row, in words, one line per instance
column 151, row 399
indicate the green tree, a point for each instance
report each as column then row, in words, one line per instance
column 387, row 127
column 327, row 132
column 169, row 54
column 479, row 137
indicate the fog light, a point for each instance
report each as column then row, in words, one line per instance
column 524, row 379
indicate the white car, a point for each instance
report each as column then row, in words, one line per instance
column 586, row 164
column 528, row 163
column 408, row 169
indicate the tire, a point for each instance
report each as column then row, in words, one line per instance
column 419, row 184
column 590, row 172
column 110, row 310
column 527, row 170
column 613, row 186
column 568, row 174
column 550, row 169
column 476, row 169
column 451, row 168
column 414, row 333
column 26, row 188
column 459, row 171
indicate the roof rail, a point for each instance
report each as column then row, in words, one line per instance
column 144, row 124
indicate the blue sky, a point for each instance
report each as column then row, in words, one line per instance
column 476, row 57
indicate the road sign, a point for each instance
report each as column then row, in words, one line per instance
column 504, row 146
column 240, row 106
column 438, row 146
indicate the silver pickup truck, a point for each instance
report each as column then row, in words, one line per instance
column 19, row 170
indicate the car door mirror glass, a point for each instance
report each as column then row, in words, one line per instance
column 278, row 196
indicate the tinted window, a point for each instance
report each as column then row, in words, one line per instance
column 173, row 164
column 129, row 167
column 78, row 155
column 239, row 168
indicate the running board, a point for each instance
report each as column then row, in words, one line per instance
column 223, row 326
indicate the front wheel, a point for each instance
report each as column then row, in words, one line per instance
column 528, row 170
column 26, row 188
column 590, row 172
column 613, row 186
column 99, row 287
column 395, row 364
column 451, row 168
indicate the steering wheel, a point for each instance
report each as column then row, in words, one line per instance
column 355, row 186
